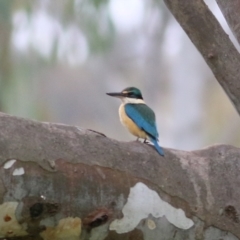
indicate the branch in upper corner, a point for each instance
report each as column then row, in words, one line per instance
column 231, row 10
column 212, row 42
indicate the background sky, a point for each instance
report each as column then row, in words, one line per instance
column 59, row 58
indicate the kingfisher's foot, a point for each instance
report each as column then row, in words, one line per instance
column 145, row 141
column 137, row 139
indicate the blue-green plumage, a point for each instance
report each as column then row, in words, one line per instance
column 144, row 117
column 137, row 116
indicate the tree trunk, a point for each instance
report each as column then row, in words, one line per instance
column 231, row 10
column 212, row 42
column 63, row 182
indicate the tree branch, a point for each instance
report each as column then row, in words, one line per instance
column 59, row 180
column 212, row 42
column 231, row 10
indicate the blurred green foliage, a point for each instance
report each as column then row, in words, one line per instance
column 91, row 17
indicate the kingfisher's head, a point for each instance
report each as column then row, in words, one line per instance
column 130, row 94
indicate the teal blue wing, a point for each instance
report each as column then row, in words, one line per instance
column 144, row 118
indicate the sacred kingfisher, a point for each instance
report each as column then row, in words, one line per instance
column 137, row 117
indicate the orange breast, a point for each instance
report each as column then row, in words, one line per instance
column 129, row 124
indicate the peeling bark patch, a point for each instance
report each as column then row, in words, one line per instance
column 32, row 210
column 9, row 164
column 143, row 201
column 151, row 224
column 9, row 226
column 52, row 164
column 18, row 171
column 136, row 234
column 99, row 233
column 43, row 209
column 36, row 210
column 43, row 197
column 231, row 213
column 97, row 217
column 67, row 228
column 7, row 218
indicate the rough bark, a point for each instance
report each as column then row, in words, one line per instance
column 212, row 42
column 231, row 10
column 60, row 182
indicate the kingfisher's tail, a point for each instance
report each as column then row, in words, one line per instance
column 158, row 148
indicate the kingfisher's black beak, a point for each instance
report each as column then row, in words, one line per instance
column 115, row 94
